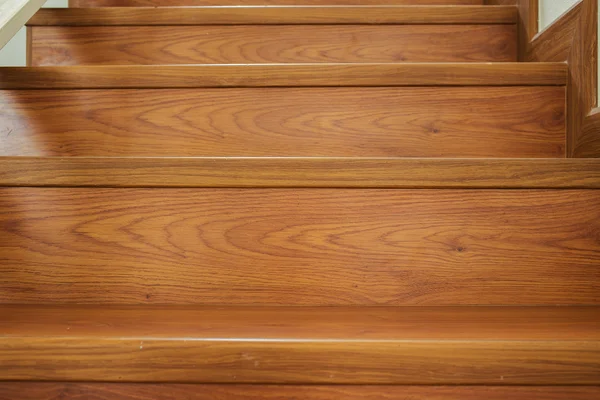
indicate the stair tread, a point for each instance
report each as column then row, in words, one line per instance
column 475, row 323
column 313, row 172
column 284, row 75
column 489, row 345
column 233, row 15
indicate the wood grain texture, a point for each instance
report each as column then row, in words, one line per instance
column 589, row 138
column 426, row 173
column 278, row 15
column 299, row 247
column 302, row 323
column 362, row 122
column 582, row 93
column 286, row 75
column 242, row 44
column 196, row 3
column 528, row 21
column 512, row 346
column 137, row 391
column 555, row 42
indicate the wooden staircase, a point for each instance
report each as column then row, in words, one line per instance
column 341, row 200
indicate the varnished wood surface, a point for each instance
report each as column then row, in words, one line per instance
column 133, row 391
column 107, row 45
column 381, row 345
column 300, row 172
column 239, row 15
column 286, row 75
column 195, row 3
column 555, row 42
column 589, row 139
column 297, row 362
column 582, row 95
column 528, row 21
column 299, row 246
column 362, row 122
column 302, row 323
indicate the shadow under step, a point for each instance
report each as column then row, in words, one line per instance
column 298, row 345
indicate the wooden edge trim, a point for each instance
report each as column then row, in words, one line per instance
column 589, row 139
column 527, row 24
column 300, row 172
column 554, row 43
column 57, row 390
column 224, row 15
column 284, row 75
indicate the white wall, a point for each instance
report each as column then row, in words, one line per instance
column 550, row 10
column 14, row 53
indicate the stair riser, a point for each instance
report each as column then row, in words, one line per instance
column 179, row 3
column 248, row 361
column 299, row 247
column 271, row 44
column 393, row 121
column 124, row 391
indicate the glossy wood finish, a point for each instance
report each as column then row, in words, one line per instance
column 495, row 345
column 361, row 122
column 286, row 75
column 554, row 43
column 583, row 84
column 299, row 246
column 528, row 11
column 278, row 15
column 302, row 323
column 196, row 3
column 241, row 44
column 300, row 172
column 133, row 391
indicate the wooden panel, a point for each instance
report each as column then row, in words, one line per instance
column 133, row 391
column 589, row 139
column 331, row 345
column 478, row 323
column 403, row 122
column 261, row 75
column 299, row 247
column 583, row 84
column 238, row 15
column 272, row 44
column 195, row 3
column 555, row 42
column 528, row 24
column 300, row 172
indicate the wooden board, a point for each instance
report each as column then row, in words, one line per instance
column 286, row 75
column 195, row 3
column 133, row 391
column 293, row 172
column 472, row 345
column 361, row 122
column 299, row 246
column 242, row 44
column 278, row 15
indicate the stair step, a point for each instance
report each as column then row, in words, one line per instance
column 201, row 35
column 275, row 15
column 174, row 391
column 196, row 3
column 392, row 121
column 413, row 345
column 300, row 172
column 296, row 242
column 284, row 75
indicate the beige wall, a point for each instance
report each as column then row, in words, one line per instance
column 13, row 54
